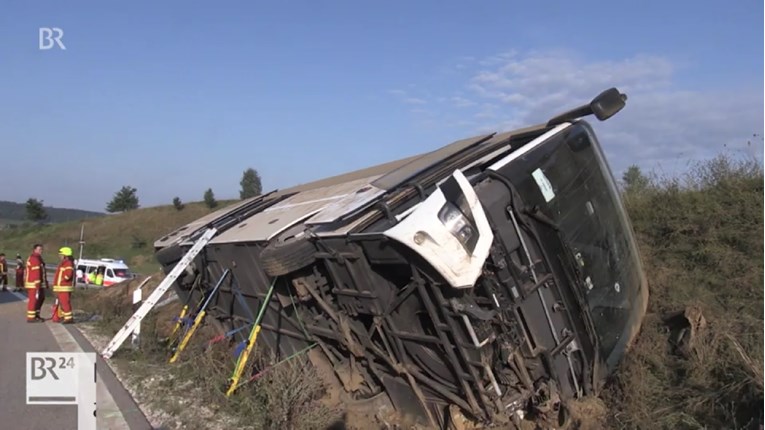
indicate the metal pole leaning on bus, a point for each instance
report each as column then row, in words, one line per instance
column 242, row 360
column 198, row 320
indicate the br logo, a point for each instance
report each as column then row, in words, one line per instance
column 44, row 366
column 51, row 36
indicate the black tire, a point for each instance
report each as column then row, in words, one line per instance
column 169, row 255
column 281, row 258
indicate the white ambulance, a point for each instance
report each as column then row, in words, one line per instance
column 114, row 271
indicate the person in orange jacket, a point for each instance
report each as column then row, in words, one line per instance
column 63, row 283
column 3, row 272
column 35, row 280
column 19, row 273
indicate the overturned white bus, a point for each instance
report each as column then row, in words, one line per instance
column 496, row 277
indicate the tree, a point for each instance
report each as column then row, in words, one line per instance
column 124, row 200
column 36, row 211
column 250, row 183
column 178, row 204
column 210, row 199
column 634, row 180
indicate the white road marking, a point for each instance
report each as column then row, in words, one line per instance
column 109, row 415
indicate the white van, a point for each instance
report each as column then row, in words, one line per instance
column 114, row 270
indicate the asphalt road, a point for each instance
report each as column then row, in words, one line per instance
column 116, row 409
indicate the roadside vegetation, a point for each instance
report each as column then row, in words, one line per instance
column 701, row 237
column 129, row 235
column 191, row 391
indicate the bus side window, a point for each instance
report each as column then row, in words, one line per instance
column 109, row 273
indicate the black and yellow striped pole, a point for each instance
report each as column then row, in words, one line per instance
column 241, row 362
column 198, row 320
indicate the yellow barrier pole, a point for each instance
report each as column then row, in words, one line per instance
column 184, row 312
column 198, row 319
column 187, row 337
column 241, row 362
column 180, row 320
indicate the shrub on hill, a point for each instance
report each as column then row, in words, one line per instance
column 701, row 237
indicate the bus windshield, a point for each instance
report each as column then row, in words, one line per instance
column 568, row 179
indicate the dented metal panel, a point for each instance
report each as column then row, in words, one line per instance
column 183, row 232
column 347, row 205
column 377, row 170
column 267, row 224
column 411, row 169
column 332, row 230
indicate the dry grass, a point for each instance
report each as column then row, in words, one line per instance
column 128, row 235
column 192, row 390
column 588, row 413
column 701, row 237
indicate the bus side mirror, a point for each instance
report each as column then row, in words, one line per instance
column 603, row 106
column 608, row 103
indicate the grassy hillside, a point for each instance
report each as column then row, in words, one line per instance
column 15, row 213
column 127, row 235
column 701, row 237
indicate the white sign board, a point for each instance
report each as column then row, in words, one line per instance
column 64, row 378
column 544, row 184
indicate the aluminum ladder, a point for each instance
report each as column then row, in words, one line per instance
column 157, row 294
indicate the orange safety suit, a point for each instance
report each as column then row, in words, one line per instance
column 3, row 274
column 63, row 285
column 34, row 280
column 19, row 274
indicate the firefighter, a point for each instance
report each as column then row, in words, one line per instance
column 19, row 273
column 3, row 272
column 63, row 283
column 35, row 279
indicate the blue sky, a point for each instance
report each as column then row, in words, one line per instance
column 175, row 97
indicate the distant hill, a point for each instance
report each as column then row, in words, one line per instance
column 128, row 236
column 15, row 213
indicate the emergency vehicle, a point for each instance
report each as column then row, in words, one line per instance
column 114, row 271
